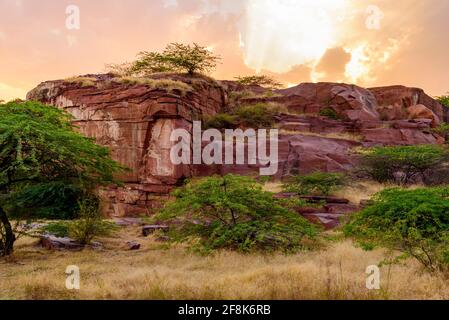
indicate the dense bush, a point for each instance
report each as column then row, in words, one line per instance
column 415, row 222
column 402, row 164
column 234, row 212
column 315, row 184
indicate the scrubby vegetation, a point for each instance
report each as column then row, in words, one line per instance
column 317, row 183
column 260, row 115
column 330, row 113
column 39, row 149
column 443, row 130
column 402, row 165
column 415, row 222
column 444, row 100
column 234, row 212
column 262, row 81
column 165, row 84
column 82, row 81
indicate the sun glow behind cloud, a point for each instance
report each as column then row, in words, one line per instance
column 292, row 40
column 279, row 34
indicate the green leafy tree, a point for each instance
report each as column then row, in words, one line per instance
column 262, row 81
column 38, row 150
column 444, row 100
column 314, row 184
column 415, row 222
column 402, row 164
column 234, row 212
column 176, row 57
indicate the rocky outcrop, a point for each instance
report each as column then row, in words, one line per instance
column 135, row 121
column 135, row 118
column 396, row 99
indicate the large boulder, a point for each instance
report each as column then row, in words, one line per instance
column 349, row 101
column 419, row 112
column 399, row 98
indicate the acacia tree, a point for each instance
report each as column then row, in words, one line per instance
column 402, row 164
column 234, row 212
column 176, row 57
column 38, row 150
column 262, row 80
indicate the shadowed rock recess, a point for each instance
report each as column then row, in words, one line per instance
column 135, row 118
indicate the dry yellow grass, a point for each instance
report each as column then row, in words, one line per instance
column 82, row 81
column 339, row 136
column 364, row 190
column 155, row 272
column 165, row 84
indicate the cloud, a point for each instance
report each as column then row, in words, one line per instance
column 332, row 66
column 293, row 40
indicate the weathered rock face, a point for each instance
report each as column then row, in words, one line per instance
column 349, row 101
column 135, row 120
column 399, row 98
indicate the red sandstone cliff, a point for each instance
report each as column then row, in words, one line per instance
column 135, row 120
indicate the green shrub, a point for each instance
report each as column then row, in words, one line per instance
column 234, row 212
column 315, row 184
column 444, row 100
column 40, row 151
column 415, row 222
column 443, row 130
column 260, row 115
column 330, row 113
column 52, row 200
column 90, row 224
column 222, row 121
column 59, row 229
column 262, row 81
column 402, row 164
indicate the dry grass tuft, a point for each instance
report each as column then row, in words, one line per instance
column 364, row 190
column 339, row 136
column 165, row 84
column 82, row 81
column 155, row 272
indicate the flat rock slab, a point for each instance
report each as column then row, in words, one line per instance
column 125, row 222
column 51, row 242
column 150, row 229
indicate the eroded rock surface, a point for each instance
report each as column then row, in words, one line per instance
column 135, row 120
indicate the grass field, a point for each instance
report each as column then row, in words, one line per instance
column 157, row 271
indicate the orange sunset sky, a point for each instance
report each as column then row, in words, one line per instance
column 367, row 42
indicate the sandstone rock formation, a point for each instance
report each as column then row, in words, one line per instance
column 135, row 119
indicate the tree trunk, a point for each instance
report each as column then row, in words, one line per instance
column 8, row 242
